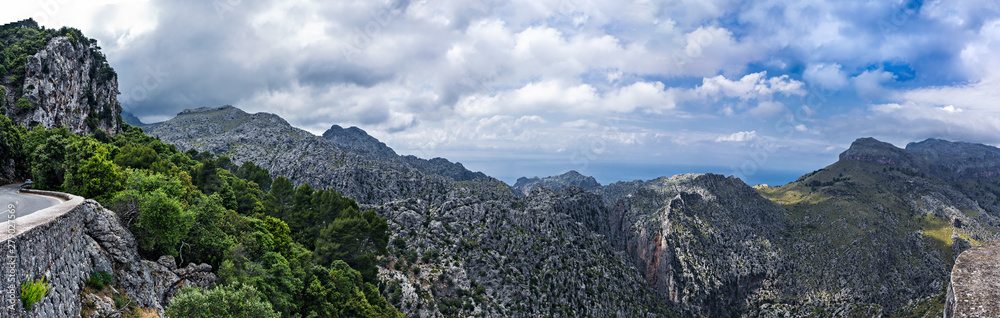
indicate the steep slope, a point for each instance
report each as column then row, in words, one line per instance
column 877, row 216
column 556, row 183
column 270, row 142
column 57, row 78
column 459, row 247
column 707, row 243
column 517, row 257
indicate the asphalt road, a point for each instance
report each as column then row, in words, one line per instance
column 24, row 204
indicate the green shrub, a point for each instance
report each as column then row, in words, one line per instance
column 23, row 103
column 32, row 291
column 98, row 280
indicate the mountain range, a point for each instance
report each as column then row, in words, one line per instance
column 874, row 233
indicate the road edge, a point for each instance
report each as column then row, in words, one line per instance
column 23, row 224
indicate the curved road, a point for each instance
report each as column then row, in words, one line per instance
column 24, row 204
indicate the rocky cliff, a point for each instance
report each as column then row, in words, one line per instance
column 67, row 82
column 707, row 243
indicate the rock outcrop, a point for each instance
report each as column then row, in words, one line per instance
column 69, row 84
column 975, row 284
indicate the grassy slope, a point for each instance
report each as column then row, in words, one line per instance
column 854, row 206
column 845, row 203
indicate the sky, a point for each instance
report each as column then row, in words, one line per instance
column 762, row 90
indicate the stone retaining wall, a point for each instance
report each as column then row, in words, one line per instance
column 49, row 243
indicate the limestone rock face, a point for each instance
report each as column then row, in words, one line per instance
column 66, row 85
column 707, row 243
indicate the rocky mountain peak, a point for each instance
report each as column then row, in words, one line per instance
column 556, row 183
column 956, row 160
column 358, row 141
column 874, row 151
column 203, row 110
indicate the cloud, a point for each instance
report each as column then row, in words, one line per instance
column 751, row 86
column 827, row 76
column 871, row 84
column 742, row 136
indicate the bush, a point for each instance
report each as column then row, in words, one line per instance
column 32, row 291
column 23, row 103
column 163, row 221
column 98, row 280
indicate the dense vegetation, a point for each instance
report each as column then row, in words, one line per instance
column 303, row 252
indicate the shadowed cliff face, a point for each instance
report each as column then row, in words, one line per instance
column 707, row 243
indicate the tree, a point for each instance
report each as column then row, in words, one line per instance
column 278, row 201
column 247, row 195
column 11, row 146
column 162, row 223
column 136, row 156
column 356, row 239
column 206, row 242
column 252, row 172
column 236, row 300
column 89, row 173
column 23, row 103
column 341, row 292
column 47, row 158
